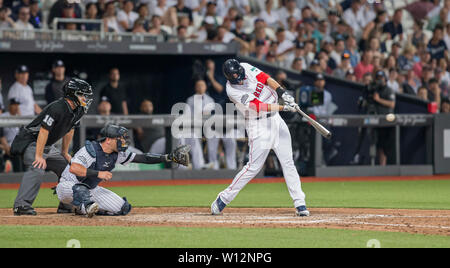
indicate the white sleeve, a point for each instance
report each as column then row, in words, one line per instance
column 125, row 158
column 251, row 70
column 83, row 158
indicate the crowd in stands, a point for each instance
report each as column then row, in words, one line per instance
column 343, row 38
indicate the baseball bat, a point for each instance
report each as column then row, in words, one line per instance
column 322, row 130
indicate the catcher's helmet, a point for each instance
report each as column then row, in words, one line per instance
column 76, row 88
column 116, row 132
column 233, row 71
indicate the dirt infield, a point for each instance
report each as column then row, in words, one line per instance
column 395, row 220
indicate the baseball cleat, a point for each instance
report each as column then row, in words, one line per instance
column 64, row 209
column 217, row 206
column 91, row 210
column 24, row 211
column 302, row 211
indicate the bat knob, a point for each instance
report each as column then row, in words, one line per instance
column 329, row 135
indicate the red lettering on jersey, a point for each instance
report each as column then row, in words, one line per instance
column 259, row 88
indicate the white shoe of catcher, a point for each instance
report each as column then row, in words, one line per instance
column 91, row 210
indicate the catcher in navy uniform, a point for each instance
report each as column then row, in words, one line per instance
column 93, row 164
column 35, row 142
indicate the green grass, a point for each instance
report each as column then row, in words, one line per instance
column 385, row 194
column 162, row 237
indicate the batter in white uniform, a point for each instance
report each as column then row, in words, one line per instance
column 256, row 95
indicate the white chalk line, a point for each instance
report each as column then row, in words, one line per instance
column 250, row 220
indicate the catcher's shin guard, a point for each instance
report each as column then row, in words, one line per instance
column 81, row 195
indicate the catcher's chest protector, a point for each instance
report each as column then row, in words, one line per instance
column 103, row 162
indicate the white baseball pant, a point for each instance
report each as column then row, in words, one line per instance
column 265, row 135
column 107, row 200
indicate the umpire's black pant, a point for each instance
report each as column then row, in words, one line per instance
column 33, row 177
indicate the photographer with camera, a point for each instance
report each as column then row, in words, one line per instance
column 384, row 98
column 378, row 99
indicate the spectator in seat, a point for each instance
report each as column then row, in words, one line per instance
column 427, row 75
column 338, row 51
column 355, row 18
column 126, row 16
column 395, row 27
column 181, row 10
column 54, row 89
column 411, row 83
column 143, row 13
column 116, row 93
column 290, row 9
column 269, row 15
column 315, row 66
column 156, row 27
column 92, row 14
column 352, row 50
column 35, row 14
column 182, row 34
column 5, row 21
column 22, row 22
column 238, row 30
column 437, row 47
column 422, row 93
column 350, row 76
column 101, row 7
column 22, row 92
column 139, row 26
column 110, row 21
column 297, row 64
column 285, row 46
column 344, row 66
column 63, row 9
column 434, row 93
column 260, row 50
column 365, row 66
column 392, row 81
column 445, row 106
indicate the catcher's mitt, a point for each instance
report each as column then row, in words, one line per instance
column 181, row 155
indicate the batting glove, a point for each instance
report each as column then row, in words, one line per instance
column 287, row 98
column 290, row 108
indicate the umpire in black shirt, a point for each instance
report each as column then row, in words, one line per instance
column 35, row 141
